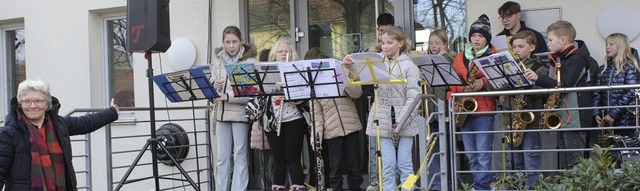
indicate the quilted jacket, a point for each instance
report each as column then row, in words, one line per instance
column 338, row 116
column 619, row 97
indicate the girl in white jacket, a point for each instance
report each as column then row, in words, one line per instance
column 398, row 96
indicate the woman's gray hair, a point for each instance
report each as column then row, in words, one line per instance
column 33, row 85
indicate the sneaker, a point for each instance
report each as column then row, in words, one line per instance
column 372, row 187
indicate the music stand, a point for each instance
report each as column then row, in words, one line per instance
column 187, row 85
column 502, row 71
column 437, row 70
column 372, row 68
column 312, row 79
column 254, row 79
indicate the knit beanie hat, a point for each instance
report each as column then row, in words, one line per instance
column 481, row 26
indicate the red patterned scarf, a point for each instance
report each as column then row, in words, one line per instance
column 47, row 161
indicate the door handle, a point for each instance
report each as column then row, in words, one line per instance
column 299, row 34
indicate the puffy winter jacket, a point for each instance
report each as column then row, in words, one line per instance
column 485, row 103
column 338, row 116
column 619, row 97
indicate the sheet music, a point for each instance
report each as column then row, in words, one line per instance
column 502, row 71
column 379, row 67
column 270, row 75
column 242, row 79
column 327, row 73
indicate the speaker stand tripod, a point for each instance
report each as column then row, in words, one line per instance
column 154, row 142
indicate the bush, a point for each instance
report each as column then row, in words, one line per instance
column 597, row 173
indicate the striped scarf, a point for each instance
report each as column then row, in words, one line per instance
column 47, row 162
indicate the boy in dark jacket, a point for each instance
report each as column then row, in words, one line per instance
column 571, row 57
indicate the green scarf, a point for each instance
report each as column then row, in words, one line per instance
column 469, row 56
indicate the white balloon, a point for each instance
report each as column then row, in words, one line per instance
column 619, row 17
column 181, row 54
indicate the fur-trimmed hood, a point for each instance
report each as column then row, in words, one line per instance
column 250, row 51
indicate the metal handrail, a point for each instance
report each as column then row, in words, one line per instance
column 452, row 113
column 546, row 91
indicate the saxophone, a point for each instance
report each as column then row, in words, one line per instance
column 551, row 119
column 467, row 104
column 605, row 134
column 520, row 119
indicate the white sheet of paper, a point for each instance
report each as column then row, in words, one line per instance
column 327, row 73
column 378, row 66
column 501, row 43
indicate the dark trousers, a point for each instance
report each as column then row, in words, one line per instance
column 286, row 150
column 344, row 158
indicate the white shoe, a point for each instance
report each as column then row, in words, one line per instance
column 372, row 187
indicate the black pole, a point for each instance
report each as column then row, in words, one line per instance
column 318, row 153
column 152, row 121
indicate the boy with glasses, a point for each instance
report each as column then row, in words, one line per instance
column 510, row 16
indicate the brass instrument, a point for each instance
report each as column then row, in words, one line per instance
column 551, row 119
column 605, row 134
column 520, row 119
column 467, row 104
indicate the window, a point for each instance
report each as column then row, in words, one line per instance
column 444, row 14
column 14, row 64
column 119, row 63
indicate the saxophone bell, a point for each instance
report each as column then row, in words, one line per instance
column 469, row 104
column 552, row 121
column 526, row 117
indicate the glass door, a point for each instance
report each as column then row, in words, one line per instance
column 269, row 21
column 341, row 27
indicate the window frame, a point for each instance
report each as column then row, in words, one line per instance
column 7, row 95
column 108, row 75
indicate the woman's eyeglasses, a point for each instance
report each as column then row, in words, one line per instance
column 38, row 102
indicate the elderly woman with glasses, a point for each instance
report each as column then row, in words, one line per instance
column 35, row 149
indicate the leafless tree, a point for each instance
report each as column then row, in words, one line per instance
column 445, row 14
column 121, row 57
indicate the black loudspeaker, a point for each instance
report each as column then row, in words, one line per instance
column 148, row 26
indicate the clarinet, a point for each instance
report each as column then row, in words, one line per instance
column 395, row 137
column 319, row 162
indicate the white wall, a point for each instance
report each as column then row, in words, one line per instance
column 583, row 14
